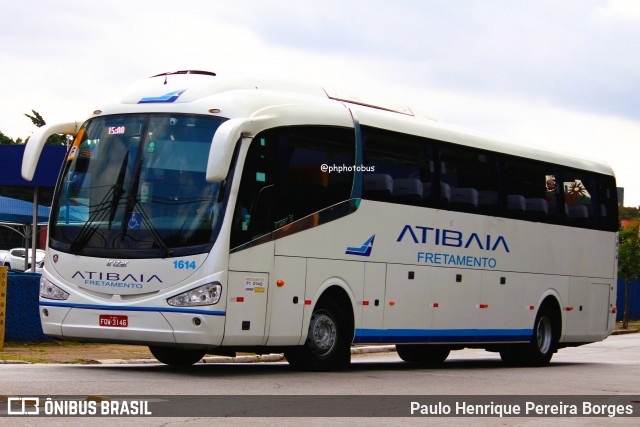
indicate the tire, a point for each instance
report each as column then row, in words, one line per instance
column 423, row 353
column 173, row 356
column 328, row 344
column 544, row 341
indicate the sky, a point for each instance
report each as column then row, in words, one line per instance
column 560, row 75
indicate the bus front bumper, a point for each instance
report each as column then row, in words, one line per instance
column 132, row 325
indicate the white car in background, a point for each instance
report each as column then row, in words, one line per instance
column 14, row 259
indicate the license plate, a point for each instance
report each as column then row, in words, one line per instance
column 114, row 321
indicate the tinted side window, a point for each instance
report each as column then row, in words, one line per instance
column 470, row 180
column 531, row 191
column 304, row 187
column 578, row 189
column 402, row 168
column 283, row 179
column 607, row 202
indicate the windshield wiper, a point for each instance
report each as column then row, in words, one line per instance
column 90, row 227
column 100, row 211
column 133, row 202
column 118, row 189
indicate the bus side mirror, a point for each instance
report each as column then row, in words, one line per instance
column 222, row 147
column 36, row 142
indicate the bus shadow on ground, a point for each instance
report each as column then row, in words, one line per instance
column 268, row 369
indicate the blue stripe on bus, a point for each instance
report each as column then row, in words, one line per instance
column 440, row 335
column 121, row 308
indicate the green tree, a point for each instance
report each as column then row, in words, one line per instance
column 628, row 265
column 628, row 212
column 4, row 139
column 38, row 120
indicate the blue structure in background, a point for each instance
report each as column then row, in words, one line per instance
column 46, row 173
column 634, row 305
column 22, row 315
column 20, row 212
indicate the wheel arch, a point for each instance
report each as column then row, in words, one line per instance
column 336, row 290
column 551, row 302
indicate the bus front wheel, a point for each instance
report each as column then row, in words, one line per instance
column 176, row 356
column 328, row 343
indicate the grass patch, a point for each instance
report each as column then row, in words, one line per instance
column 49, row 344
column 22, row 359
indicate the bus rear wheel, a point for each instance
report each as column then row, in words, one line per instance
column 544, row 342
column 328, row 343
column 173, row 356
column 423, row 353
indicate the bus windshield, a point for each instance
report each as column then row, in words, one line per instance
column 134, row 186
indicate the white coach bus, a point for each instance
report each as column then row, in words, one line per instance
column 204, row 214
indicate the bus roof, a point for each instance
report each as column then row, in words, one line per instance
column 236, row 96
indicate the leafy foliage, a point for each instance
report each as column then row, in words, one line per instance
column 628, row 263
column 628, row 213
column 629, row 254
column 5, row 140
column 37, row 119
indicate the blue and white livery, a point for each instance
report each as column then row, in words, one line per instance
column 215, row 214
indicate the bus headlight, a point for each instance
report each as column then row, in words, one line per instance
column 208, row 294
column 51, row 291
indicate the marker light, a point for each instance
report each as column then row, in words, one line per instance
column 50, row 291
column 208, row 294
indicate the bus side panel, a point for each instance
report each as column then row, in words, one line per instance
column 246, row 295
column 246, row 308
column 324, row 273
column 457, row 300
column 501, row 299
column 599, row 308
column 373, row 301
column 286, row 302
column 408, row 300
column 577, row 324
column 590, row 307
